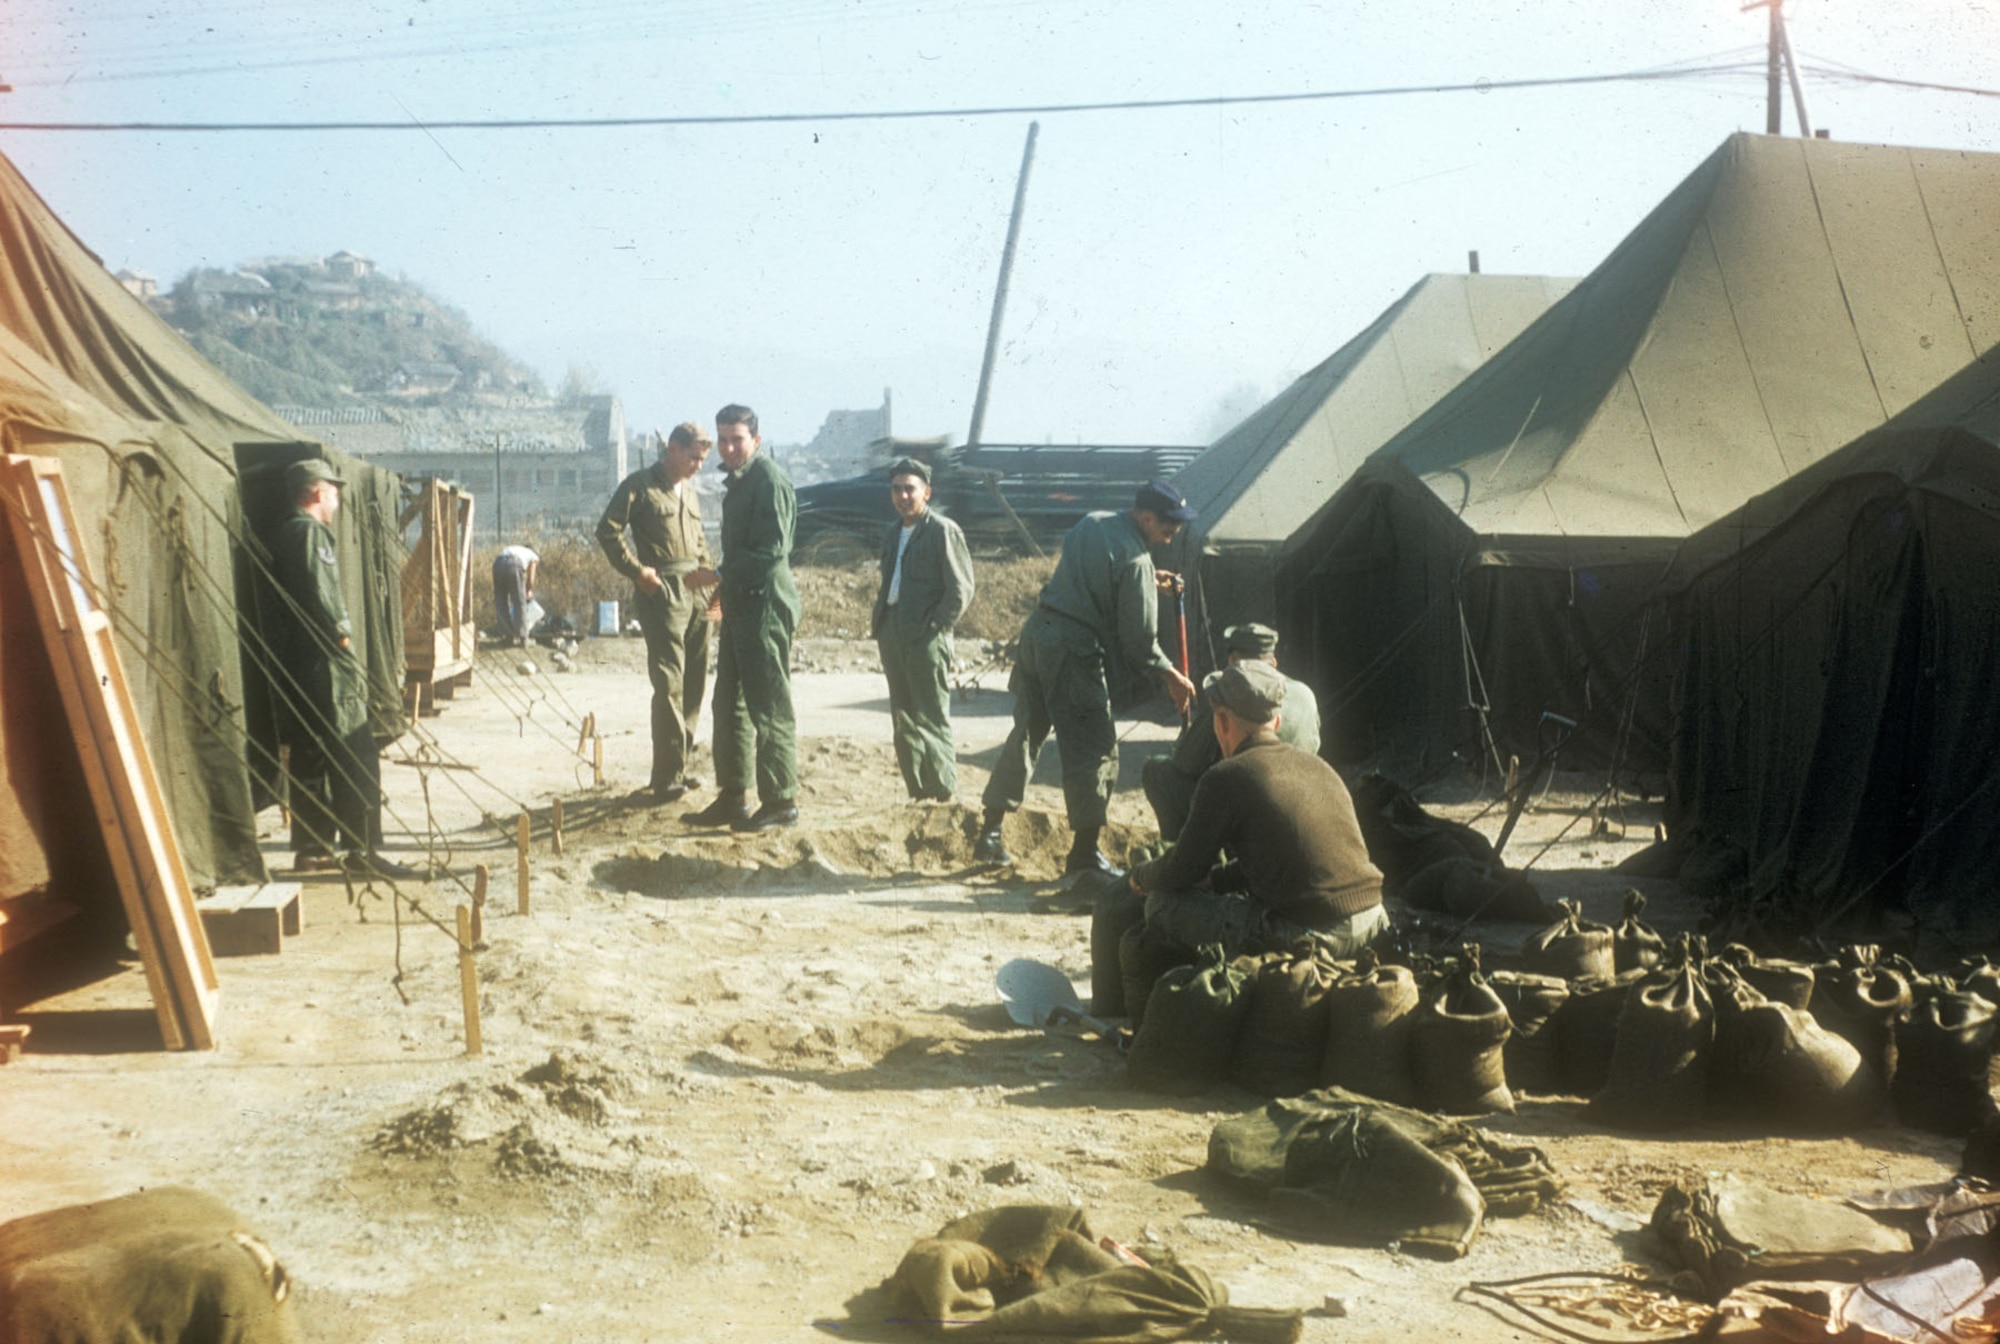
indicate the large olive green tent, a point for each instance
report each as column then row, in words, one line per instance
column 1479, row 588
column 1256, row 485
column 151, row 437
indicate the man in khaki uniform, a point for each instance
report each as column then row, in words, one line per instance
column 651, row 532
column 926, row 587
column 1169, row 780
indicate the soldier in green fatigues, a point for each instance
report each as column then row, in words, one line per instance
column 1169, row 780
column 665, row 558
column 926, row 587
column 336, row 771
column 754, row 727
column 1095, row 629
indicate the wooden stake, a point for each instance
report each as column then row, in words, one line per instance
column 479, row 905
column 597, row 761
column 468, row 981
column 555, row 827
column 583, row 734
column 521, row 862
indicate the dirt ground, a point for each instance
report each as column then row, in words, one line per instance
column 727, row 1081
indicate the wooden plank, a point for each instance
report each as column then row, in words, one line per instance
column 118, row 769
column 13, row 1036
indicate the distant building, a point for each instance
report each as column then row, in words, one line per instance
column 549, row 462
column 349, row 266
column 138, row 284
column 841, row 445
column 232, row 291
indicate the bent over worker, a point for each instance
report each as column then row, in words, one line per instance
column 1095, row 628
column 651, row 532
column 926, row 586
column 1302, row 869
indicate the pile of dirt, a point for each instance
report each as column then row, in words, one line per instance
column 836, row 599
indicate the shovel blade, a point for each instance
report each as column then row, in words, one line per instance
column 1033, row 990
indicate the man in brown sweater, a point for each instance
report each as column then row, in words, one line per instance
column 1302, row 869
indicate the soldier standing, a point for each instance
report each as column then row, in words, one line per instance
column 1095, row 629
column 755, row 736
column 666, row 557
column 926, row 587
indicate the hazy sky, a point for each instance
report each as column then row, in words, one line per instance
column 1170, row 260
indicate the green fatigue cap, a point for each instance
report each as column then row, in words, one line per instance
column 1254, row 692
column 1251, row 640
column 301, row 474
column 909, row 466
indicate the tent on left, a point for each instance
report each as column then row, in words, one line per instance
column 164, row 459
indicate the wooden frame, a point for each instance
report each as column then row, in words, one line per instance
column 440, row 635
column 124, row 790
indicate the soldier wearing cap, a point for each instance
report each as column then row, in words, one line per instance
column 1094, row 632
column 1169, row 780
column 926, row 586
column 652, row 533
column 1301, row 868
column 336, row 796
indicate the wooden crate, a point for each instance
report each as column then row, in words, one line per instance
column 253, row 920
column 439, row 633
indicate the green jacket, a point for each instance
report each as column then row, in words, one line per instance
column 1298, row 726
column 758, row 514
column 664, row 523
column 1104, row 584
column 936, row 587
column 330, row 694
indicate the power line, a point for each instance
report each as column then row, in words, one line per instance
column 896, row 114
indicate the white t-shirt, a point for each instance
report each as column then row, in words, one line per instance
column 519, row 554
column 896, row 574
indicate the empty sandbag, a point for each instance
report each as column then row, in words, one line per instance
column 1635, row 944
column 1572, row 947
column 1530, row 1053
column 1659, row 1064
column 1283, row 1038
column 1368, row 1020
column 1458, row 1042
column 1189, row 1032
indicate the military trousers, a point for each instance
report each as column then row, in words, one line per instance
column 756, row 736
column 1170, row 792
column 1059, row 687
column 336, row 793
column 918, row 668
column 674, row 621
column 1244, row 925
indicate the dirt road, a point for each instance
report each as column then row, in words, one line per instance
column 727, row 1081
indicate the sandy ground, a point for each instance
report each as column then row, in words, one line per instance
column 727, row 1081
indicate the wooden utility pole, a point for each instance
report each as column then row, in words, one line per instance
column 499, row 494
column 1774, row 58
column 1000, row 291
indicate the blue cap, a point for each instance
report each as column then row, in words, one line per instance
column 1160, row 497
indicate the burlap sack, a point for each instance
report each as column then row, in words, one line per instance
column 1586, row 1030
column 1143, row 957
column 1458, row 1042
column 1368, row 1019
column 1777, row 1067
column 1189, row 1032
column 1859, row 998
column 1635, row 945
column 1283, row 1038
column 1532, row 1002
column 1942, row 1060
column 1572, row 948
column 1778, row 980
column 1659, row 1064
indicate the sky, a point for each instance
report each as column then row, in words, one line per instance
column 1176, row 266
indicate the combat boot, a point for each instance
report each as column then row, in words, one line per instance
column 728, row 809
column 990, row 847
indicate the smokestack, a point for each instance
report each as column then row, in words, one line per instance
column 1472, row 262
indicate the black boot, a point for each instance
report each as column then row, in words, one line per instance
column 728, row 808
column 990, row 847
column 1085, row 857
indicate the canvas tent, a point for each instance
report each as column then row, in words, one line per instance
column 1261, row 481
column 1481, row 584
column 150, row 436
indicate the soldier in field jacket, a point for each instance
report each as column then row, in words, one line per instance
column 926, row 587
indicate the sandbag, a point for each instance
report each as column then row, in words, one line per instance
column 1778, row 980
column 1189, row 1032
column 1635, row 945
column 1864, row 1001
column 1283, row 1038
column 1457, row 1043
column 1368, row 1019
column 1659, row 1063
column 169, row 1264
column 1777, row 1066
column 1978, row 975
column 1532, row 1002
column 1943, row 1054
column 1346, row 1168
column 1143, row 957
column 1586, row 1028
column 1734, row 1233
column 1116, row 909
column 1572, row 947
column 1403, row 839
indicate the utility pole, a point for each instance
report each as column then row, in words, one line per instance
column 1000, row 291
column 1779, row 62
column 499, row 495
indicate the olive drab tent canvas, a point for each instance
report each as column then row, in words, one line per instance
column 1480, row 588
column 150, row 436
column 1256, row 485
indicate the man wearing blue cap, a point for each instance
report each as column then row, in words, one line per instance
column 1095, row 630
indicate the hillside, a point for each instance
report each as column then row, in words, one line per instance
column 331, row 332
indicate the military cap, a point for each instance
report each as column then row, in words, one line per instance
column 1250, row 640
column 301, row 474
column 1162, row 498
column 910, row 466
column 1254, row 692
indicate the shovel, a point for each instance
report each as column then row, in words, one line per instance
column 1036, row 994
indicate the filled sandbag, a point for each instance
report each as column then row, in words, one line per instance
column 1659, row 1063
column 1586, row 1030
column 1532, row 1002
column 1943, row 1056
column 1458, row 1041
column 1283, row 1038
column 1635, row 944
column 1143, row 957
column 168, row 1264
column 1369, row 1014
column 1189, row 1032
column 1866, row 1001
column 1573, row 947
column 1777, row 1067
column 1778, row 980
